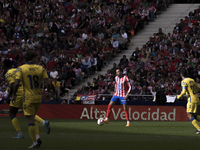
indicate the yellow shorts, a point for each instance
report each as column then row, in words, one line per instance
column 30, row 108
column 192, row 107
column 18, row 102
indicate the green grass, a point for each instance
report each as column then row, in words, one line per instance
column 87, row 135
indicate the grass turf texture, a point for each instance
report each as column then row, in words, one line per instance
column 87, row 135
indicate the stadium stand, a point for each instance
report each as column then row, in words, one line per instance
column 157, row 64
column 74, row 38
column 77, row 38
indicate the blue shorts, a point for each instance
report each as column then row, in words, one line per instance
column 121, row 99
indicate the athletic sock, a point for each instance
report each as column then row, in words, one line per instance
column 15, row 123
column 37, row 136
column 126, row 114
column 197, row 117
column 108, row 111
column 19, row 132
column 38, row 119
column 194, row 122
column 128, row 122
column 37, row 129
column 43, row 122
column 32, row 131
column 34, row 143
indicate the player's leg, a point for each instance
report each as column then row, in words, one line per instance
column 46, row 123
column 32, row 130
column 123, row 102
column 37, row 133
column 191, row 110
column 194, row 122
column 15, row 122
column 14, row 107
column 197, row 117
column 126, row 114
column 112, row 102
column 30, row 109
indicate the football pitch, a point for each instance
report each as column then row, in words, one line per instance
column 87, row 135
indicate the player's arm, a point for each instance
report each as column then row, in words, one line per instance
column 10, row 80
column 16, row 86
column 48, row 85
column 129, row 87
column 17, row 83
column 115, row 87
column 47, row 82
column 11, row 87
column 184, row 86
column 182, row 93
column 197, row 87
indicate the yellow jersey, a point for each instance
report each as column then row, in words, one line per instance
column 56, row 84
column 31, row 75
column 10, row 77
column 191, row 88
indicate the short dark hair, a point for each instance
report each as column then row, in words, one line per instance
column 30, row 55
column 120, row 69
column 183, row 72
column 7, row 63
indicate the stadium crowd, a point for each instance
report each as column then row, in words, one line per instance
column 156, row 65
column 73, row 38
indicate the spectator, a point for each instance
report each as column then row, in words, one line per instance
column 51, row 64
column 56, row 87
column 115, row 45
column 3, row 93
column 60, row 30
column 71, row 76
column 122, row 43
column 186, row 28
column 54, row 73
column 113, row 70
column 107, row 51
column 107, row 97
column 81, row 48
column 124, row 61
column 78, row 72
column 93, row 62
column 87, row 65
column 134, row 23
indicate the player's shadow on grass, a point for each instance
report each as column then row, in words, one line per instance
column 87, row 135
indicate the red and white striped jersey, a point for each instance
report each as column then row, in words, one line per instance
column 122, row 86
column 176, row 35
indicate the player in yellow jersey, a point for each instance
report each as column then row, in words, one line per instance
column 31, row 75
column 190, row 87
column 13, row 109
column 10, row 76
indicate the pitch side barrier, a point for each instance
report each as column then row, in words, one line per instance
column 93, row 112
column 145, row 112
column 133, row 99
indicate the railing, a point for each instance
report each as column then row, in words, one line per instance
column 103, row 97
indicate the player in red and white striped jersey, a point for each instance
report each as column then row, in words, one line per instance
column 122, row 90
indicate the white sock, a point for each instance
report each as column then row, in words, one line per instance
column 37, row 136
column 128, row 121
column 106, row 118
column 19, row 132
column 34, row 143
column 43, row 122
column 198, row 129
